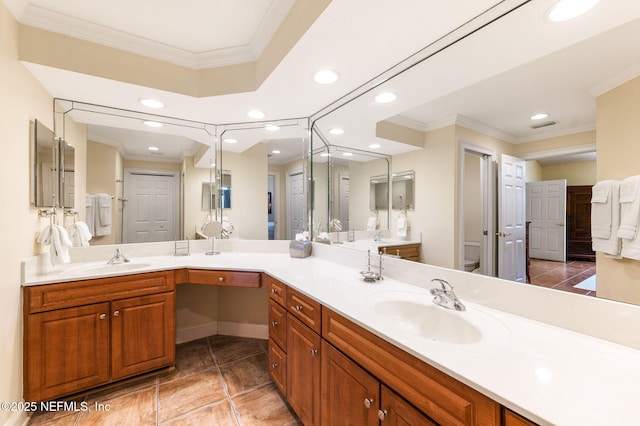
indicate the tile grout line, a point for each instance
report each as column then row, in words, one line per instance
column 236, row 415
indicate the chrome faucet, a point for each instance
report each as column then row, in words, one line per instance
column 378, row 236
column 445, row 296
column 118, row 258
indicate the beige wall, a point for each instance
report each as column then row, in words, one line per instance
column 359, row 193
column 104, row 165
column 550, row 144
column 23, row 100
column 618, row 153
column 533, row 171
column 576, row 173
column 472, row 201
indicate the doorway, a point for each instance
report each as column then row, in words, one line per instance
column 546, row 212
column 150, row 205
column 476, row 221
column 272, row 205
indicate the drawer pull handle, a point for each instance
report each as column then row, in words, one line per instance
column 368, row 402
column 274, row 323
column 102, row 316
column 221, row 279
column 382, row 414
column 274, row 291
column 116, row 313
column 314, row 352
column 299, row 308
column 274, row 365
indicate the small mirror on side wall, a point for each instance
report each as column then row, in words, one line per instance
column 402, row 190
column 44, row 166
column 379, row 190
column 67, row 175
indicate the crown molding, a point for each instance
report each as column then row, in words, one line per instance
column 615, row 81
column 555, row 133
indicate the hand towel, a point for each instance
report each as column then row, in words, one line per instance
column 102, row 215
column 90, row 214
column 601, row 209
column 605, row 219
column 57, row 238
column 79, row 234
column 372, row 223
column 104, row 208
column 629, row 208
column 401, row 226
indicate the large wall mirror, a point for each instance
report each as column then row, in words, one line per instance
column 456, row 90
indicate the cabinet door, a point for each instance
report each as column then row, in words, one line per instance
column 350, row 395
column 395, row 411
column 143, row 334
column 278, row 324
column 278, row 366
column 66, row 351
column 303, row 371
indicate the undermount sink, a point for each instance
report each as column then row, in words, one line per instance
column 106, row 268
column 415, row 314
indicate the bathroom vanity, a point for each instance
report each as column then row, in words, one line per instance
column 336, row 343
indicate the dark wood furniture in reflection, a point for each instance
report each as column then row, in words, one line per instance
column 579, row 223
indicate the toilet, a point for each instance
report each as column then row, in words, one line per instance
column 471, row 256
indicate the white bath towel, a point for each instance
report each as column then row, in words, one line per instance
column 372, row 223
column 401, row 226
column 629, row 207
column 90, row 212
column 102, row 218
column 79, row 234
column 605, row 218
column 57, row 238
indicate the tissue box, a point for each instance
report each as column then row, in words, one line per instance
column 300, row 248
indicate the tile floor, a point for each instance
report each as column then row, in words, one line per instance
column 560, row 275
column 219, row 380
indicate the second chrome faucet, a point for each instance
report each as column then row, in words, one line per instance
column 445, row 297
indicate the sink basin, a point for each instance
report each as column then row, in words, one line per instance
column 106, row 268
column 416, row 315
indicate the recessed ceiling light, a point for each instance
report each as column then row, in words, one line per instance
column 336, row 131
column 540, row 116
column 275, row 151
column 374, row 146
column 569, row 9
column 325, row 76
column 272, row 127
column 229, row 140
column 325, row 154
column 154, row 148
column 151, row 103
column 152, row 123
column 347, row 154
column 256, row 114
column 385, row 97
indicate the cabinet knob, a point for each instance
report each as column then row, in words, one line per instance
column 314, row 352
column 274, row 365
column 398, row 252
column 382, row 414
column 274, row 323
column 221, row 279
column 102, row 316
column 368, row 402
column 299, row 308
column 116, row 313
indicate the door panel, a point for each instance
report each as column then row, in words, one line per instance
column 546, row 209
column 511, row 219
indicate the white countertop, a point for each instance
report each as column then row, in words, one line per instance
column 548, row 374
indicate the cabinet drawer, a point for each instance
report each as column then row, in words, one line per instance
column 305, row 309
column 224, row 278
column 48, row 297
column 278, row 366
column 278, row 324
column 441, row 397
column 513, row 419
column 277, row 290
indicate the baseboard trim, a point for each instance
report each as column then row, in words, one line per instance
column 254, row 331
column 18, row 418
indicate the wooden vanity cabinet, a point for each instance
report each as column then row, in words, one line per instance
column 83, row 334
column 514, row 419
column 404, row 251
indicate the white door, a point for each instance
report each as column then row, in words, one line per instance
column 547, row 209
column 295, row 204
column 149, row 212
column 344, row 202
column 511, row 219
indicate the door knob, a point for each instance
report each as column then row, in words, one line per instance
column 560, row 224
